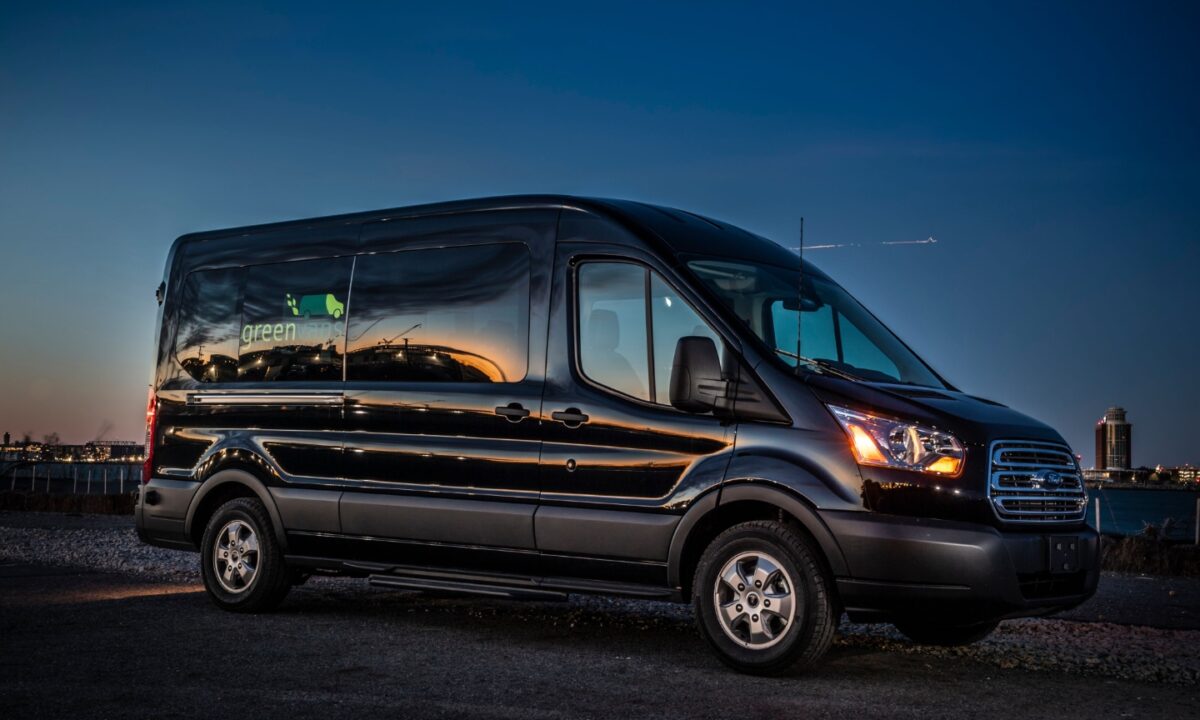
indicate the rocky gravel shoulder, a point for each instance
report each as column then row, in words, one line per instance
column 1102, row 649
column 93, row 542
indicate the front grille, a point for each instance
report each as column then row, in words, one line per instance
column 1022, row 485
column 1045, row 585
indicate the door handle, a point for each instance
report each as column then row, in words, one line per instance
column 513, row 412
column 571, row 417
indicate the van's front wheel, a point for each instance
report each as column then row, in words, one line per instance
column 762, row 599
column 241, row 562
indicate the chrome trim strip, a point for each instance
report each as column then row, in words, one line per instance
column 1036, row 466
column 265, row 399
column 1015, row 478
column 1036, row 493
column 1065, row 459
column 1077, row 502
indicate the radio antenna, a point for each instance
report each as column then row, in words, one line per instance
column 800, row 299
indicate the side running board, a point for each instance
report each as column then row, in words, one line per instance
column 469, row 588
column 523, row 587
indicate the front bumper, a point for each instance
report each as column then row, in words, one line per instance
column 960, row 573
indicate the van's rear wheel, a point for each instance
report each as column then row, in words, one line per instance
column 762, row 599
column 241, row 562
column 926, row 633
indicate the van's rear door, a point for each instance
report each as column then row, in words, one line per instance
column 252, row 381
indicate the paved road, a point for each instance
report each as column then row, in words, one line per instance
column 91, row 644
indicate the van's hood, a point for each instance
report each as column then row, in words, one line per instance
column 971, row 419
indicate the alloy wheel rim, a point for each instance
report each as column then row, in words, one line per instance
column 755, row 600
column 236, row 556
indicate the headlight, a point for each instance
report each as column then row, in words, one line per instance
column 892, row 443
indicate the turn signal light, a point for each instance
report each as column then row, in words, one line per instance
column 865, row 449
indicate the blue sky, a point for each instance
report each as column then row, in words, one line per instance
column 1052, row 150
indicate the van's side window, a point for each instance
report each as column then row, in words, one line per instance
column 206, row 341
column 612, row 327
column 293, row 321
column 441, row 315
column 616, row 332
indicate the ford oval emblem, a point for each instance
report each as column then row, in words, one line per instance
column 1047, row 478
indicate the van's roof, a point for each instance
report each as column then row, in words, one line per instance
column 682, row 232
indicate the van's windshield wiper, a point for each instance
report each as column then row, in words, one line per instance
column 823, row 365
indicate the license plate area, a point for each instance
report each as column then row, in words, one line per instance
column 1064, row 554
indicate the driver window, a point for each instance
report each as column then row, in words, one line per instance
column 612, row 327
column 625, row 345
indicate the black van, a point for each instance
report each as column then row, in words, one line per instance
column 533, row 396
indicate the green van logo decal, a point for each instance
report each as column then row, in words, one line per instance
column 322, row 315
column 316, row 306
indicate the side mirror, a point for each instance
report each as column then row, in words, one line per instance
column 696, row 382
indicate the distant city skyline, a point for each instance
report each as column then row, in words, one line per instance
column 1051, row 152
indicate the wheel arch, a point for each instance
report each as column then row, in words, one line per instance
column 223, row 486
column 739, row 502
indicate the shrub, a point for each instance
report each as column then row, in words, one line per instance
column 1150, row 552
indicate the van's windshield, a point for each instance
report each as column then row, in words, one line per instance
column 838, row 335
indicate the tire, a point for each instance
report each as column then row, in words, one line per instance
column 780, row 637
column 946, row 635
column 240, row 534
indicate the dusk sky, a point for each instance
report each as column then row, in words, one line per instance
column 1052, row 150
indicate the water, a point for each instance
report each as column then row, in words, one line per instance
column 1125, row 512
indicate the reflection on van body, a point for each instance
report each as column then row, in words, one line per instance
column 535, row 396
column 417, row 363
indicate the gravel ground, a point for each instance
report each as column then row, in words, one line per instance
column 1103, row 649
column 88, row 644
column 1155, row 600
column 96, row 542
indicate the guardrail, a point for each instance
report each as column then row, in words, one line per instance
column 74, row 478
